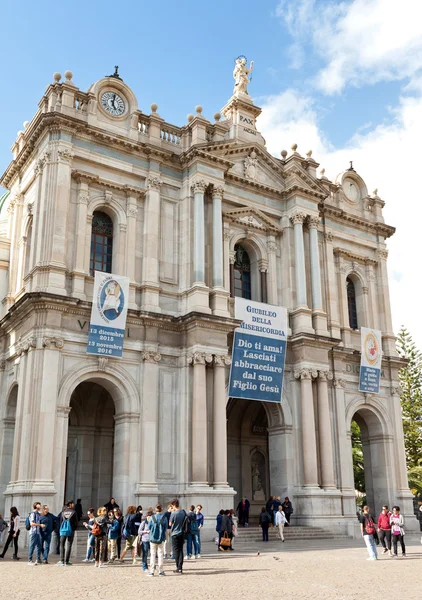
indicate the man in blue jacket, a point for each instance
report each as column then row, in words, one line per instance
column 50, row 524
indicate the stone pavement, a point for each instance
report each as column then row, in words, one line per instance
column 316, row 569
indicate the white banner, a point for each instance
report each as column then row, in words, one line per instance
column 108, row 315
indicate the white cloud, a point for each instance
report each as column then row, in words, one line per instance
column 359, row 42
column 387, row 157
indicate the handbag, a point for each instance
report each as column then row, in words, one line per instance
column 225, row 540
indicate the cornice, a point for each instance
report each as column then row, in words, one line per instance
column 235, row 148
column 107, row 183
column 233, row 216
column 355, row 257
column 385, row 230
column 196, row 152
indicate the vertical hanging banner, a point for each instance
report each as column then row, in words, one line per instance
column 370, row 362
column 259, row 351
column 108, row 315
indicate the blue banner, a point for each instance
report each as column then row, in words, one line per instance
column 369, row 380
column 107, row 341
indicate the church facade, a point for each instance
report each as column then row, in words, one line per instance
column 193, row 216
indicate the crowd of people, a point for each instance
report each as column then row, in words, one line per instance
column 175, row 534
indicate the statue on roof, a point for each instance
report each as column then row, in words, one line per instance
column 241, row 75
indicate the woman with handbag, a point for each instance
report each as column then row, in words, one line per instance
column 226, row 533
column 397, row 531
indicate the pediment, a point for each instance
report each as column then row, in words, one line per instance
column 298, row 178
column 251, row 218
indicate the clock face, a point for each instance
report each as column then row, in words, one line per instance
column 113, row 103
column 351, row 190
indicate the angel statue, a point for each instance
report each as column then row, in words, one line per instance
column 241, row 75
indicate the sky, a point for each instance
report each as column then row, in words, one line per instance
column 341, row 78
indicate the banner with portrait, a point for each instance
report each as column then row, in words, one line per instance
column 108, row 315
column 370, row 362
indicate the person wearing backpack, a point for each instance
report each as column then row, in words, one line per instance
column 130, row 530
column 143, row 539
column 178, row 522
column 158, row 526
column 67, row 527
column 100, row 531
column 192, row 535
column 35, row 526
column 368, row 529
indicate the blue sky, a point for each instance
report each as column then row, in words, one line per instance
column 342, row 78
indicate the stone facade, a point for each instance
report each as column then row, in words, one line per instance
column 157, row 423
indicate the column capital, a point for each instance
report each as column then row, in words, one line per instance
column 382, row 254
column 329, row 236
column 222, row 360
column 217, row 191
column 199, row 358
column 49, row 342
column 227, row 234
column 263, row 265
column 325, row 375
column 200, row 185
column 232, row 257
column 150, row 356
column 25, row 345
column 63, row 411
column 303, row 374
column 65, row 155
column 395, row 390
column 298, row 218
column 313, row 222
column 340, row 383
column 132, row 211
column 272, row 247
column 153, row 183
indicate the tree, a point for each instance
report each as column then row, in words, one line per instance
column 357, row 454
column 410, row 378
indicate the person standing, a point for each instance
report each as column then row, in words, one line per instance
column 192, row 535
column 218, row 520
column 226, row 530
column 3, row 527
column 269, row 508
column 287, row 509
column 243, row 511
column 68, row 525
column 384, row 529
column 99, row 531
column 130, row 530
column 13, row 533
column 78, row 509
column 280, row 521
column 35, row 534
column 111, row 505
column 118, row 515
column 276, row 504
column 265, row 519
column 397, row 531
column 49, row 521
column 200, row 519
column 368, row 530
column 113, row 534
column 158, row 527
column 177, row 521
column 90, row 549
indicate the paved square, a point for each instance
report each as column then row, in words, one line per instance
column 320, row 569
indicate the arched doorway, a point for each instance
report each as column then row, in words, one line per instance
column 7, row 443
column 90, row 446
column 370, row 446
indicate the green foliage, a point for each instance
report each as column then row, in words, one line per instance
column 415, row 479
column 410, row 378
column 357, row 454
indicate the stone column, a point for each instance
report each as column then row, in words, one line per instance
column 319, row 317
column 345, row 471
column 389, row 340
column 263, row 272
column 226, row 259
column 342, row 293
column 149, row 420
column 131, row 213
column 198, row 295
column 367, row 314
column 272, row 287
column 126, row 456
column 301, row 316
column 324, row 429
column 373, row 304
column 220, row 422
column 332, row 293
column 310, row 464
column 151, row 245
column 199, row 450
column 60, row 453
column 401, row 473
column 78, row 277
column 219, row 295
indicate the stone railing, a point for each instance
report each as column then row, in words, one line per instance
column 81, row 102
column 171, row 134
column 143, row 124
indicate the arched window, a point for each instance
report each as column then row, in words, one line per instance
column 351, row 304
column 101, row 243
column 242, row 273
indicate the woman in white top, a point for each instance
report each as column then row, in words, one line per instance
column 280, row 520
column 13, row 532
column 397, row 531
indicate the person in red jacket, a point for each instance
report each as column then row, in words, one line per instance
column 384, row 529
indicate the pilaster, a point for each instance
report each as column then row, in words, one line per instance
column 150, row 286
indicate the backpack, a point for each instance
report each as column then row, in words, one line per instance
column 66, row 528
column 194, row 528
column 157, row 529
column 369, row 526
column 96, row 530
column 28, row 522
column 186, row 524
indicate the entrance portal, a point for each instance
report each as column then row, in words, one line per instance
column 7, row 443
column 247, row 450
column 90, row 447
